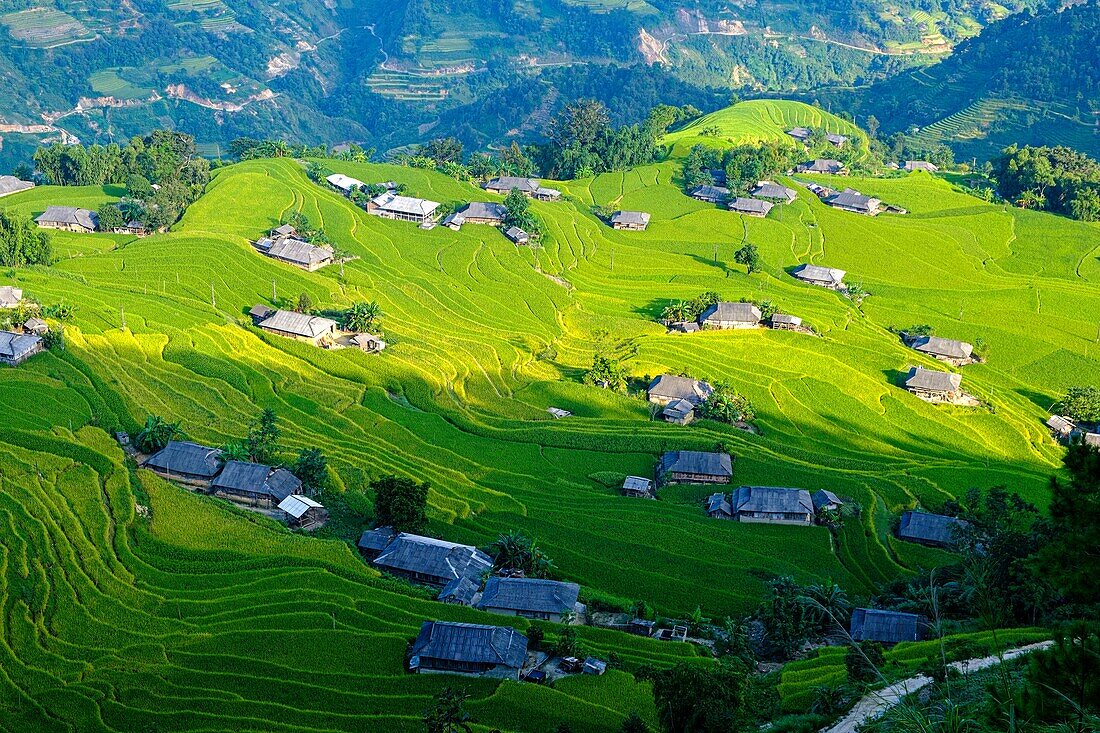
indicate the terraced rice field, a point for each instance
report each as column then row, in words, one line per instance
column 45, row 27
column 193, row 617
column 407, row 86
column 110, row 83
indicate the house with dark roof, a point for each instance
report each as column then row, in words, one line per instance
column 430, row 561
column 679, row 412
column 548, row 600
column 638, row 487
column 933, row 386
column 836, row 140
column 296, row 252
column 750, row 206
column 826, row 500
column 633, row 221
column 695, row 467
column 403, row 208
column 531, row 187
column 957, row 353
column 255, row 484
column 719, row 507
column 302, row 512
column 785, row 322
column 186, row 462
column 299, row 326
column 16, row 348
column 801, row 134
column 934, row 530
column 10, row 296
column 517, row 235
column 484, row 212
column 710, row 194
column 727, row 315
column 469, row 649
column 667, row 388
column 824, row 277
column 852, row 200
column 887, row 627
column 373, row 541
column 831, row 167
column 11, row 184
column 259, row 313
column 69, row 219
column 773, row 505
column 459, row 592
column 773, row 192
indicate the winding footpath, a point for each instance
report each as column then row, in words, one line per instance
column 875, row 703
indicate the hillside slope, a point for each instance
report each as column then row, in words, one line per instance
column 1031, row 80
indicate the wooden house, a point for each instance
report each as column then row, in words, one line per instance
column 695, row 467
column 69, row 219
column 186, row 462
column 460, row 592
column 430, row 561
column 631, row 221
column 934, row 530
column 831, row 167
column 887, row 627
column 773, row 505
column 373, row 541
column 297, row 252
column 679, row 412
column 484, row 212
column 933, row 386
column 800, row 134
column 785, row 322
column 547, row 600
column 751, row 206
column 710, row 194
column 836, row 140
column 302, row 512
column 531, row 187
column 369, row 342
column 638, row 487
column 10, row 296
column 16, row 348
column 957, row 353
column 259, row 313
column 517, row 235
column 773, row 192
column 669, row 387
column 299, row 326
column 824, row 277
column 852, row 200
column 255, row 484
column 730, row 315
column 403, row 208
column 469, row 649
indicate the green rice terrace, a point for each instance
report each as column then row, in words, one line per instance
column 131, row 604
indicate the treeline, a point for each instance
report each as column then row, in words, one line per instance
column 161, row 171
column 738, row 168
column 1057, row 179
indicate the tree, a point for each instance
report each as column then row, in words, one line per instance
column 1075, row 525
column 514, row 550
column 362, row 316
column 304, row 304
column 401, row 503
column 21, row 242
column 828, row 604
column 566, row 645
column 748, row 256
column 109, row 218
column 139, row 186
column 873, row 126
column 699, row 698
column 606, row 373
column 1082, row 404
column 863, row 660
column 263, row 437
column 449, row 715
column 441, row 150
column 634, row 724
column 727, row 405
column 236, row 451
column 311, row 468
column 155, row 434
column 1063, row 682
column 785, row 617
column 734, row 642
column 518, row 212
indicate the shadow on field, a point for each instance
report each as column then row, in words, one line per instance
column 710, row 261
column 654, row 308
column 1040, row 399
column 895, row 377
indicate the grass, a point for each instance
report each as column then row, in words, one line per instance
column 482, row 341
column 110, row 83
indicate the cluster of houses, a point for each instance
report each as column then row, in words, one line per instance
column 252, row 485
column 315, row 330
column 1066, row 430
column 803, row 135
column 935, row 386
column 17, row 346
column 726, row 315
column 763, row 197
column 678, row 396
column 284, row 244
column 852, row 201
column 771, row 504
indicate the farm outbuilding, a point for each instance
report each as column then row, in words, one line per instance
column 826, row 500
column 638, row 487
column 299, row 326
column 296, row 252
column 346, row 184
column 679, row 412
column 934, row 530
column 373, row 541
column 785, row 322
column 369, row 342
column 431, row 561
column 459, row 592
column 957, row 353
column 634, row 221
column 517, row 235
column 825, row 277
column 548, row 600
column 695, row 467
column 16, row 348
column 469, row 649
column 730, row 315
column 887, row 627
column 69, row 219
column 1062, row 427
column 259, row 313
column 35, row 326
column 186, row 462
column 719, row 507
column 933, row 386
column 801, row 134
column 302, row 512
column 255, row 484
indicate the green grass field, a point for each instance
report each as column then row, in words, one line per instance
column 109, row 82
column 114, row 621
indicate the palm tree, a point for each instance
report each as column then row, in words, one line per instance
column 675, row 313
column 362, row 316
column 828, row 603
column 511, row 551
column 155, row 434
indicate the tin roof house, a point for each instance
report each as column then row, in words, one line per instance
column 695, row 467
column 773, row 505
column 548, row 600
column 16, row 348
column 299, row 326
column 255, row 484
column 934, row 530
column 887, row 627
column 186, row 462
column 730, row 315
column 430, row 561
column 469, row 649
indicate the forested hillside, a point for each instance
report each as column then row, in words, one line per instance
column 1031, row 80
column 389, row 74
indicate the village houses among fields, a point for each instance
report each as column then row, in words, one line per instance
column 768, row 504
column 284, row 245
column 679, row 396
column 939, row 387
column 69, row 219
column 16, row 348
column 955, row 353
column 530, row 187
column 423, row 559
column 933, row 530
column 694, row 467
column 314, row 330
column 469, row 649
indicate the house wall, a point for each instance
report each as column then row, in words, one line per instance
column 182, row 478
column 262, row 501
column 20, row 358
column 555, row 617
column 696, row 478
column 315, row 341
column 629, row 227
column 66, row 227
column 726, row 325
column 775, row 518
column 931, row 395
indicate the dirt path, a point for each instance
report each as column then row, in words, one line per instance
column 878, row 702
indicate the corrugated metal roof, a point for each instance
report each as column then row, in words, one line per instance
column 630, row 217
column 299, row 324
column 68, row 215
column 937, row 346
column 889, row 627
column 11, row 184
column 928, row 527
column 186, row 457
column 818, row 273
column 256, row 478
column 637, row 483
column 822, row 497
column 484, row 210
column 736, row 312
column 920, row 378
column 345, row 183
column 533, row 595
column 772, row 499
column 690, row 461
column 769, row 190
column 295, row 250
column 447, row 560
column 16, row 345
column 459, row 590
column 507, row 183
column 473, row 643
column 297, row 505
column 785, row 318
column 751, row 206
column 405, row 204
column 673, row 387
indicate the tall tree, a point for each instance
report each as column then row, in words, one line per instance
column 263, row 437
column 155, row 434
column 21, row 242
column 700, row 698
column 401, row 503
